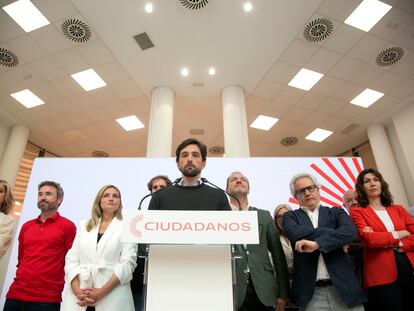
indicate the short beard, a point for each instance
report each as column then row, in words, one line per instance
column 45, row 207
column 193, row 173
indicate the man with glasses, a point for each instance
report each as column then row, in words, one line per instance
column 323, row 278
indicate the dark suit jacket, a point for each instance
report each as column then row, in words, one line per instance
column 334, row 230
column 270, row 281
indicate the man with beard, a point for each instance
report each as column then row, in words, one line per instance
column 262, row 283
column 43, row 244
column 190, row 193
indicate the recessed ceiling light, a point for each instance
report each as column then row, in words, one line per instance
column 212, row 71
column 88, row 79
column 26, row 15
column 319, row 135
column 366, row 98
column 184, row 72
column 264, row 122
column 130, row 123
column 305, row 79
column 367, row 14
column 247, row 6
column 27, row 98
column 149, row 7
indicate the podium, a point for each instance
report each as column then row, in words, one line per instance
column 190, row 259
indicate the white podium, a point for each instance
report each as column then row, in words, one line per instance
column 189, row 265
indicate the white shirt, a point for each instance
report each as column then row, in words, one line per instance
column 322, row 272
column 236, row 208
column 198, row 182
column 387, row 221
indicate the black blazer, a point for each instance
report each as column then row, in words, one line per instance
column 334, row 230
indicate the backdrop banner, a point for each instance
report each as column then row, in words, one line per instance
column 269, row 178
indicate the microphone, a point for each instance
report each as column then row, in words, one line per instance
column 151, row 193
column 217, row 187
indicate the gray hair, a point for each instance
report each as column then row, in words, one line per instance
column 299, row 176
column 57, row 186
column 236, row 172
column 279, row 207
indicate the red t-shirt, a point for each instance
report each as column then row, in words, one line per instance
column 41, row 261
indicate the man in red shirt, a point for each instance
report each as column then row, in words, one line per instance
column 43, row 243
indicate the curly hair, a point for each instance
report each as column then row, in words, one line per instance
column 362, row 198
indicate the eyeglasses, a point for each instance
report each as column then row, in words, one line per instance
column 311, row 189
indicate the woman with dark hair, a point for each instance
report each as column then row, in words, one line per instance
column 387, row 234
column 99, row 266
column 6, row 221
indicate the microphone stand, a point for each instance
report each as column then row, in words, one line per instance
column 151, row 193
column 217, row 187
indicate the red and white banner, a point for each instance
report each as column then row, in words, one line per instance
column 190, row 227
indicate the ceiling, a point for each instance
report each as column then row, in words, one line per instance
column 261, row 51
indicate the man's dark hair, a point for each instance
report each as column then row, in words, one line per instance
column 362, row 198
column 164, row 177
column 57, row 186
column 191, row 141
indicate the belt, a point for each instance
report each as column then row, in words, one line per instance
column 323, row 283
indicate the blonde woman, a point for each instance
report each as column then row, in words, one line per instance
column 6, row 221
column 98, row 266
column 280, row 210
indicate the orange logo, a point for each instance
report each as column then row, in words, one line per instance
column 133, row 225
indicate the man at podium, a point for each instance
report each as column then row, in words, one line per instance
column 190, row 192
column 262, row 283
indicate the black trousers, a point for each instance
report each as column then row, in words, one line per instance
column 19, row 305
column 252, row 302
column 397, row 296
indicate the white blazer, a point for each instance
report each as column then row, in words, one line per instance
column 96, row 262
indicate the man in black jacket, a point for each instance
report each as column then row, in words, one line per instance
column 191, row 193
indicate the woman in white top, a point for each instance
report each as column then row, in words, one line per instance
column 6, row 221
column 98, row 266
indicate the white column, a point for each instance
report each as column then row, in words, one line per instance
column 13, row 153
column 236, row 140
column 161, row 122
column 386, row 164
column 4, row 137
column 404, row 152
